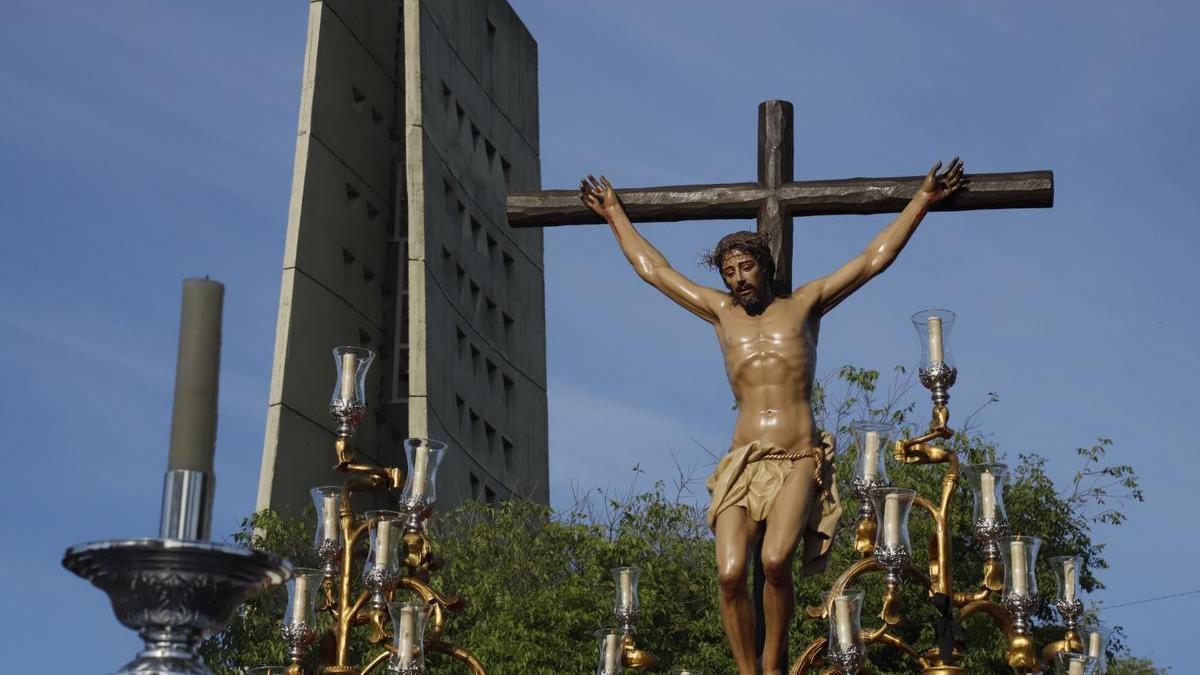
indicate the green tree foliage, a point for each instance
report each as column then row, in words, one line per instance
column 538, row 582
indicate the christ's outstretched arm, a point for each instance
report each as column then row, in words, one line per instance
column 886, row 245
column 649, row 264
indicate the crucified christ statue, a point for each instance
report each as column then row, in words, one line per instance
column 776, row 482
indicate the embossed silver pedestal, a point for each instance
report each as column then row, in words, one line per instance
column 174, row 592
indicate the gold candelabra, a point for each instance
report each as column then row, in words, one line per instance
column 618, row 646
column 400, row 559
column 1007, row 593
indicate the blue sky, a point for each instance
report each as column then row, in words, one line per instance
column 143, row 142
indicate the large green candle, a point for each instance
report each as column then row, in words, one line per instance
column 194, row 420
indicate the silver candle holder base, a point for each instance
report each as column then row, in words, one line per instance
column 1020, row 607
column 847, row 661
column 627, row 619
column 414, row 511
column 173, row 593
column 938, row 378
column 988, row 532
column 327, row 551
column 862, row 488
column 347, row 414
column 1070, row 612
column 893, row 559
column 379, row 581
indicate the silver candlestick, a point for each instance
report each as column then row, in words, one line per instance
column 173, row 593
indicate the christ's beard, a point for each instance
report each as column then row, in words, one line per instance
column 754, row 303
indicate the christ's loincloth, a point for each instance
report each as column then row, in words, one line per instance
column 752, row 475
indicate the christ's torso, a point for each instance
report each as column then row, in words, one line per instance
column 770, row 359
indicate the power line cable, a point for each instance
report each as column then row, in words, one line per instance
column 1105, row 608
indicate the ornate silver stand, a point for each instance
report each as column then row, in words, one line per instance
column 173, row 592
column 1021, row 607
column 847, row 662
column 938, row 378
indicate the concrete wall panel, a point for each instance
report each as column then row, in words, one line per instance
column 416, row 118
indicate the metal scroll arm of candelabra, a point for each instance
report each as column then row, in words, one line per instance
column 890, row 616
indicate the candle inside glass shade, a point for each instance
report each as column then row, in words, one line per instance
column 299, row 613
column 935, row 340
column 1069, row 580
column 871, row 455
column 407, row 635
column 987, row 495
column 845, row 628
column 1095, row 644
column 1016, row 554
column 346, row 389
column 891, row 520
column 420, row 475
column 329, row 513
column 612, row 652
column 626, row 577
column 1074, row 664
column 383, row 540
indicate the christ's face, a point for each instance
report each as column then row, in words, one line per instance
column 745, row 280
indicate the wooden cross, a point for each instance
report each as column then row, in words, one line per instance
column 776, row 198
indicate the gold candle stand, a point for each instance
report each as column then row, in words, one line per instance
column 419, row 562
column 1022, row 654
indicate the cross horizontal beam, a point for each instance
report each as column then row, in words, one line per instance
column 722, row 201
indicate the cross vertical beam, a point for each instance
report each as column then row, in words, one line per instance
column 776, row 162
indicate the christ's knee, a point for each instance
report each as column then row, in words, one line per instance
column 731, row 576
column 777, row 568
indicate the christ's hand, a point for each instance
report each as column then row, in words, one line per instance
column 939, row 186
column 599, row 196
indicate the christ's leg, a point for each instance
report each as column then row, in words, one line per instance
column 735, row 532
column 785, row 525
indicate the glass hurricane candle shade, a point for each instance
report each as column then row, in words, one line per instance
column 933, row 330
column 300, row 617
column 352, row 365
column 1020, row 594
column 936, row 370
column 408, row 638
column 349, row 399
column 873, row 440
column 327, row 541
column 625, row 596
column 1067, row 663
column 1095, row 643
column 892, row 547
column 1020, row 560
column 1066, row 573
column 986, row 482
column 385, row 554
column 611, row 647
column 424, row 455
column 846, row 646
